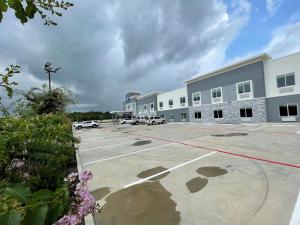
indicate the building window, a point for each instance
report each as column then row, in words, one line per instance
column 162, row 116
column 196, row 98
column 288, row 110
column 216, row 95
column 161, row 105
column 172, row 116
column 246, row 112
column 198, row 115
column 183, row 116
column 145, row 108
column 244, row 90
column 152, row 107
column 182, row 101
column 285, row 80
column 244, row 87
column 218, row 114
column 171, row 103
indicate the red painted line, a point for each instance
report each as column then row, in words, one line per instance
column 225, row 152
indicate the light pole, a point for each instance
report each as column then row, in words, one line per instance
column 50, row 70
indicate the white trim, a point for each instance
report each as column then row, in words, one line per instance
column 295, row 219
column 197, row 103
column 239, row 95
column 217, row 99
column 168, row 170
column 230, row 67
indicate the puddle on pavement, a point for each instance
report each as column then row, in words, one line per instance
column 196, row 184
column 143, row 204
column 152, row 171
column 100, row 193
column 229, row 135
column 211, row 171
column 143, row 142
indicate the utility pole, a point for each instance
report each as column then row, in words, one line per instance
column 50, row 70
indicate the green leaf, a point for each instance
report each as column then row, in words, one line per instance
column 20, row 192
column 3, row 207
column 41, row 195
column 12, row 217
column 36, row 216
column 30, row 9
column 55, row 211
column 3, row 6
column 9, row 91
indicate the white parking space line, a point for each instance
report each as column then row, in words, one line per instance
column 168, row 170
column 104, row 146
column 298, row 132
column 295, row 219
column 130, row 153
column 258, row 128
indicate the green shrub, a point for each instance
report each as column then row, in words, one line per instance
column 36, row 150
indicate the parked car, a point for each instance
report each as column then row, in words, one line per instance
column 86, row 124
column 155, row 120
column 138, row 120
column 126, row 121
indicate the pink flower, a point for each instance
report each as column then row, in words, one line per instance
column 68, row 220
column 17, row 163
column 85, row 176
column 72, row 177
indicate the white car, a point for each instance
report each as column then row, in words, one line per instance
column 155, row 120
column 86, row 124
column 126, row 121
column 139, row 120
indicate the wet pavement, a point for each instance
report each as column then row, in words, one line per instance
column 192, row 174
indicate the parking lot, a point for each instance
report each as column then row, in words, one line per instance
column 194, row 174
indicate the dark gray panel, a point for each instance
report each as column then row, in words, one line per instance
column 148, row 100
column 273, row 106
column 227, row 80
column 176, row 113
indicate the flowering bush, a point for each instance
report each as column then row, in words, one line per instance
column 83, row 203
column 36, row 150
column 19, row 206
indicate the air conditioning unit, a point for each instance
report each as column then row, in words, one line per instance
column 245, row 95
column 288, row 119
column 286, row 89
column 217, row 100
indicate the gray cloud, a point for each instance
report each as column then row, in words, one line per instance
column 109, row 47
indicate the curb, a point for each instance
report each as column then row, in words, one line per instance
column 89, row 219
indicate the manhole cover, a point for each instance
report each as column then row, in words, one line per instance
column 229, row 135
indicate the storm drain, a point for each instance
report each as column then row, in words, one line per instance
column 229, row 135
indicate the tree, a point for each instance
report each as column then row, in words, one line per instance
column 7, row 84
column 26, row 10
column 42, row 101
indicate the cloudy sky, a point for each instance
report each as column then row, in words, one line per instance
column 109, row 47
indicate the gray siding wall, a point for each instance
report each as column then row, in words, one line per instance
column 176, row 113
column 148, row 101
column 231, row 112
column 227, row 81
column 273, row 106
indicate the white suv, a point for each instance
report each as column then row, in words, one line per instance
column 155, row 120
column 85, row 124
column 139, row 120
